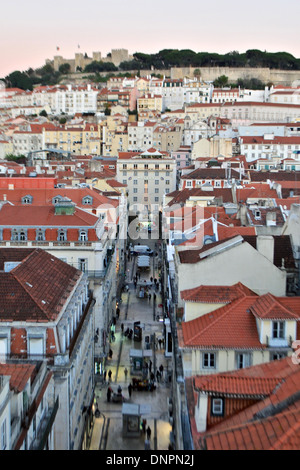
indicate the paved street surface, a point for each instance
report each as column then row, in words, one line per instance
column 107, row 432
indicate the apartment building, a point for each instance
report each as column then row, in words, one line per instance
column 148, row 176
column 49, row 318
column 28, row 406
column 82, row 139
column 140, row 135
column 150, row 101
column 269, row 147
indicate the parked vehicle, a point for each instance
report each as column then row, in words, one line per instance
column 141, row 250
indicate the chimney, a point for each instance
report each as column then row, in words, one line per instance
column 265, row 246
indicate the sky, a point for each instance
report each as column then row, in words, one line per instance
column 30, row 32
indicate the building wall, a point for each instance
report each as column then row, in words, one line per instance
column 261, row 275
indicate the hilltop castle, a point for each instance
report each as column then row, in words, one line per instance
column 82, row 60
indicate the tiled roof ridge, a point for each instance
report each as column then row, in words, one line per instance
column 251, row 426
column 260, row 302
column 271, row 382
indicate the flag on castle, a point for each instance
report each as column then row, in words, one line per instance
column 57, row 48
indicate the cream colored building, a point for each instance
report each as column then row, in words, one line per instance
column 81, row 140
column 150, row 101
column 148, row 176
column 229, row 262
column 264, row 336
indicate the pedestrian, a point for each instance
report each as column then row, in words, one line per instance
column 161, row 369
column 129, row 390
column 150, row 366
column 110, row 353
column 125, row 373
column 109, row 390
column 151, row 279
column 109, row 374
column 148, row 432
column 154, row 297
column 122, row 329
column 149, row 297
column 159, row 342
column 118, row 312
column 147, row 444
column 157, row 375
column 104, row 376
column 144, row 424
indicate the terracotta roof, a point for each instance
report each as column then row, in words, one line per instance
column 43, row 216
column 231, row 326
column 225, row 385
column 19, row 374
column 271, row 423
column 216, row 294
column 269, row 307
column 37, row 288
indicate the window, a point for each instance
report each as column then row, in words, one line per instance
column 209, row 361
column 62, row 236
column 27, row 200
column 3, row 348
column 278, row 329
column 36, row 346
column 40, row 235
column 243, row 360
column 83, row 236
column 3, row 443
column 217, row 407
column 82, row 264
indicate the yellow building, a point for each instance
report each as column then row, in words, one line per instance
column 150, row 101
column 81, row 140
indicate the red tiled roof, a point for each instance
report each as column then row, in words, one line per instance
column 19, row 374
column 37, row 288
column 269, row 307
column 216, row 294
column 235, row 385
column 231, row 326
column 38, row 216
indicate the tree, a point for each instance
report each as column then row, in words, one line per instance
column 221, row 81
column 20, row 80
column 64, row 68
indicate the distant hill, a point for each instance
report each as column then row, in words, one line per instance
column 162, row 60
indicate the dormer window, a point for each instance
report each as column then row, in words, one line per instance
column 62, row 235
column 56, row 199
column 87, row 200
column 217, row 407
column 83, row 235
column 19, row 235
column 257, row 214
column 27, row 199
column 40, row 235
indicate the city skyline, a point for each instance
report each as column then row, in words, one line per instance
column 33, row 33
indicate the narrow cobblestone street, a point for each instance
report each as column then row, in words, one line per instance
column 107, row 432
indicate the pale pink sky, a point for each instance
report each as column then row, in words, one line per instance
column 30, row 32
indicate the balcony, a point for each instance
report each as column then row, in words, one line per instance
column 278, row 343
column 45, row 428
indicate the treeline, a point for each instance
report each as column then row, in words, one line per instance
column 186, row 58
column 162, row 60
